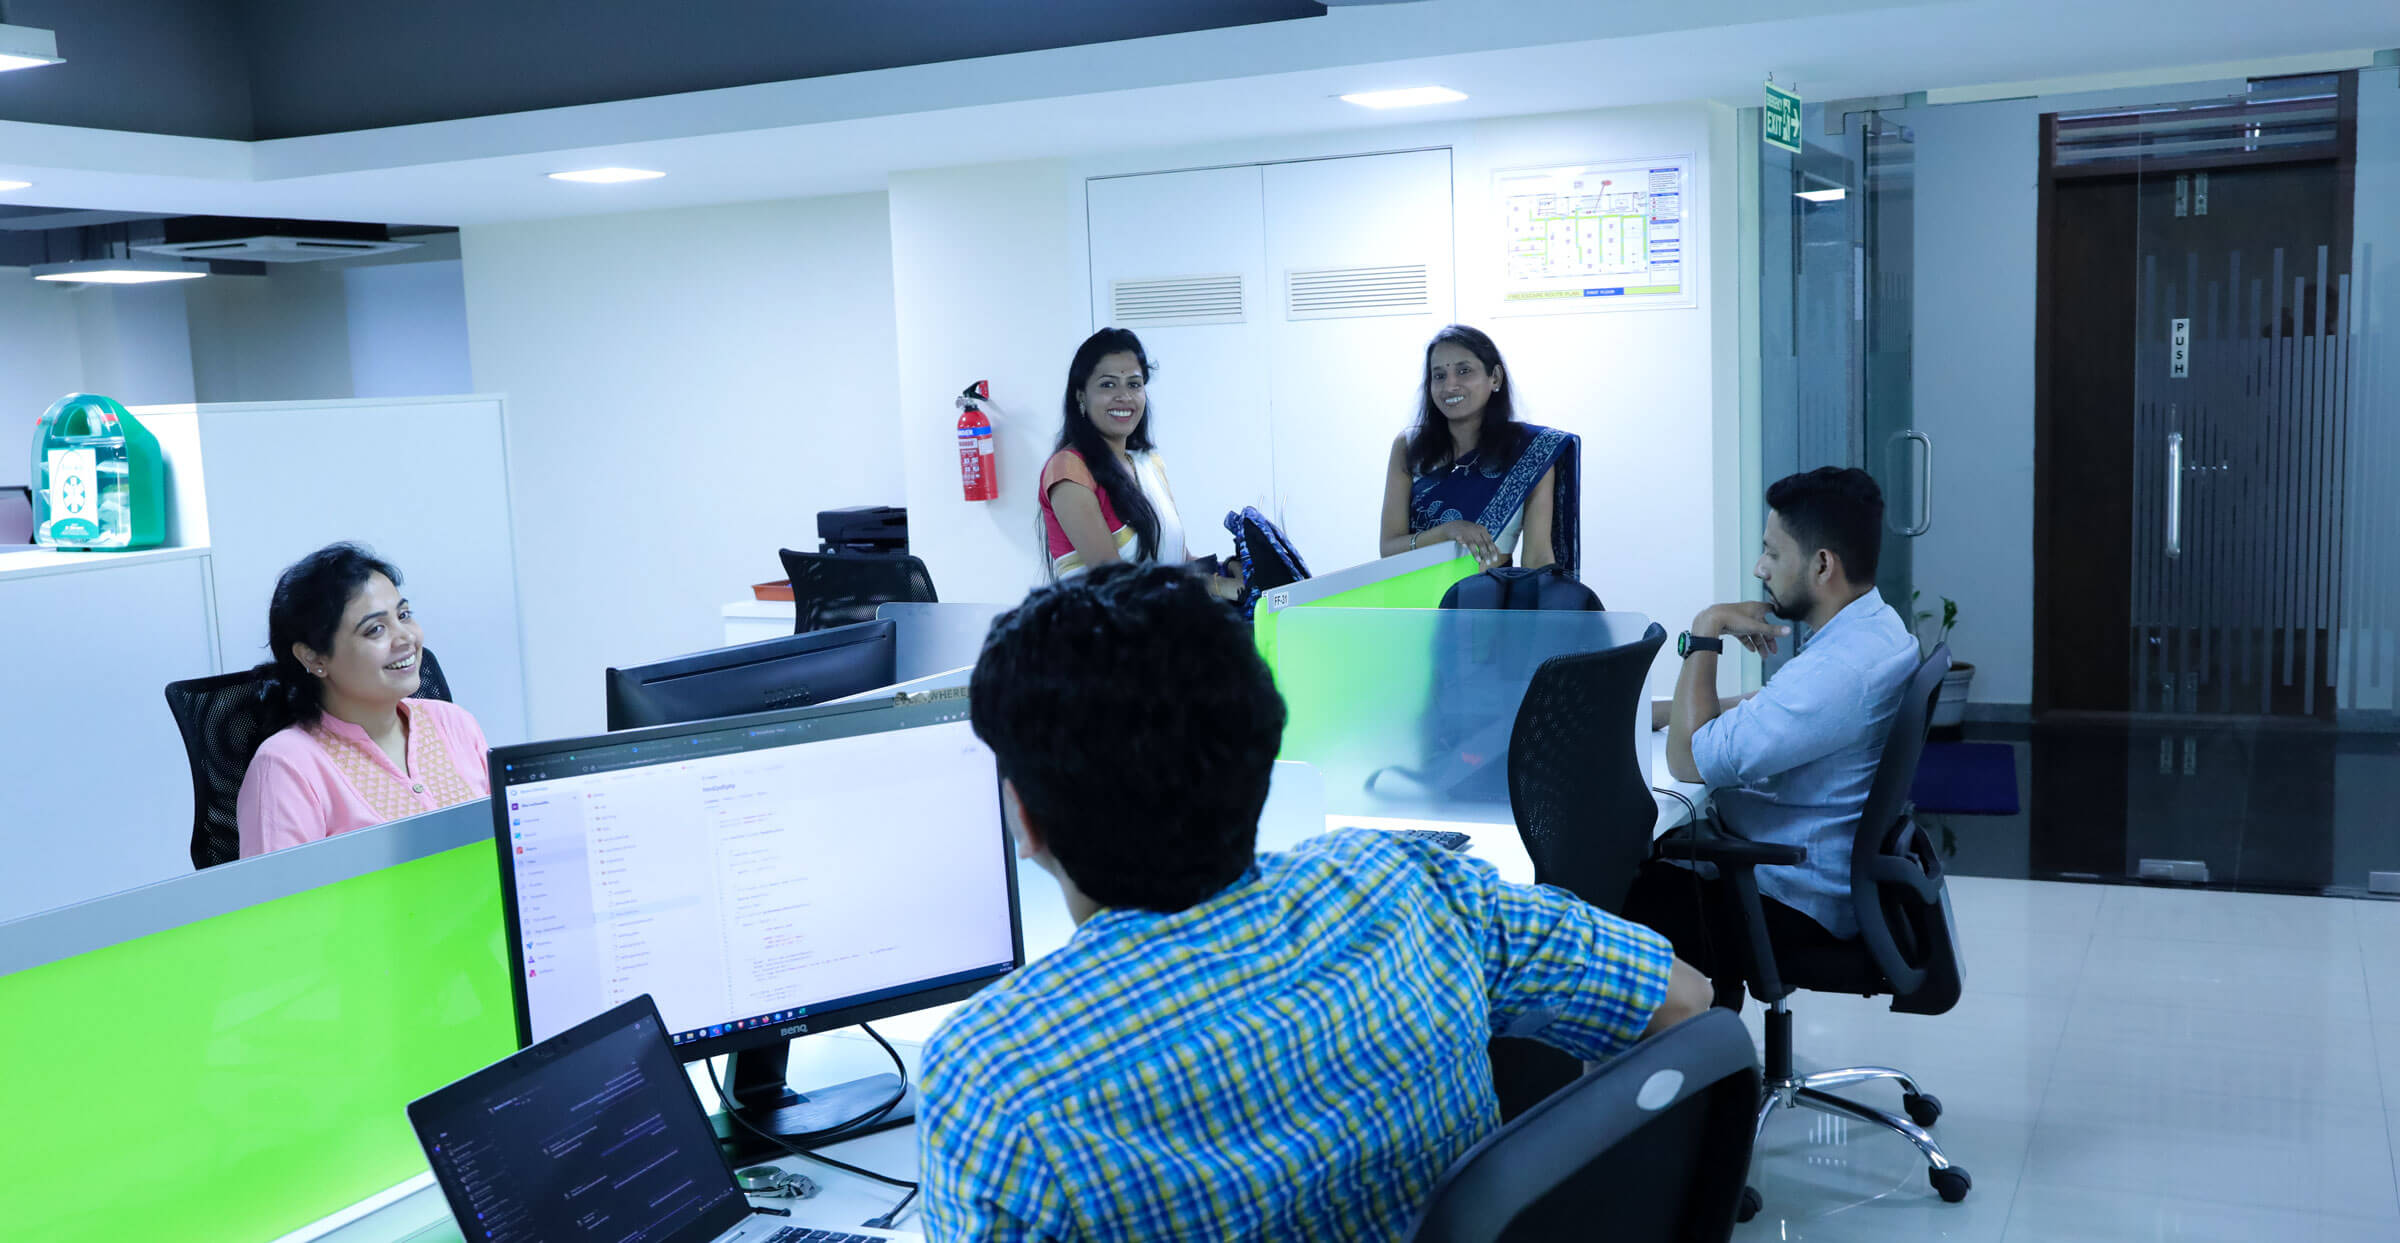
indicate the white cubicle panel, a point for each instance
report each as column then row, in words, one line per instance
column 99, row 796
column 934, row 637
column 422, row 481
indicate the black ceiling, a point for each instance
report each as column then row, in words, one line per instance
column 257, row 69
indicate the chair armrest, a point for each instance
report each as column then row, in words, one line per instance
column 1734, row 851
column 1738, row 860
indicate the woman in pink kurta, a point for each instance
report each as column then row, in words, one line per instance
column 357, row 751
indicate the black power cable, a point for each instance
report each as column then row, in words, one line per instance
column 724, row 1101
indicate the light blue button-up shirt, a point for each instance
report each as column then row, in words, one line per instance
column 1793, row 764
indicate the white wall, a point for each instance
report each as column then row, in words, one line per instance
column 988, row 283
column 408, row 329
column 130, row 344
column 1649, row 391
column 136, row 343
column 41, row 360
column 280, row 337
column 686, row 389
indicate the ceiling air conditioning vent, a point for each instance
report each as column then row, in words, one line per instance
column 1351, row 293
column 269, row 241
column 1176, row 300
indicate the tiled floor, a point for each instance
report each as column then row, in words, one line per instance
column 2128, row 1064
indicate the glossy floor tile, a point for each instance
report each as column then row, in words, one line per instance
column 2128, row 1064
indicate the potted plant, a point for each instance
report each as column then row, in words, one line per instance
column 1950, row 709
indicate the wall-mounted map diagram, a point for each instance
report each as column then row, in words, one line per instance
column 1595, row 237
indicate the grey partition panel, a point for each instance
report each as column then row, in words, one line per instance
column 422, row 481
column 1407, row 712
column 95, row 793
column 934, row 638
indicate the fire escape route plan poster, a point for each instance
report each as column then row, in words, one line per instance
column 1596, row 237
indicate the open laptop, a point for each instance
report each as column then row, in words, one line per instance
column 593, row 1134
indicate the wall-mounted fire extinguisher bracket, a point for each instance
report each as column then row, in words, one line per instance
column 978, row 463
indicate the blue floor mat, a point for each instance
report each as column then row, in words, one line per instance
column 1967, row 778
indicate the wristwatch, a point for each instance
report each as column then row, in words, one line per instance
column 1688, row 643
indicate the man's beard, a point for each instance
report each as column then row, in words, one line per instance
column 1796, row 609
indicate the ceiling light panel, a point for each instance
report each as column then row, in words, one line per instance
column 607, row 176
column 1410, row 97
column 118, row 272
column 27, row 47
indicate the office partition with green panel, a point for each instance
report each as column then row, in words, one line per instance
column 1408, row 713
column 229, row 1055
column 1415, row 579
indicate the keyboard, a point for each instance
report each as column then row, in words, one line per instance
column 1443, row 838
column 802, row 1234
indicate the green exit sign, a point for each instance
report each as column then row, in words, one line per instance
column 1782, row 128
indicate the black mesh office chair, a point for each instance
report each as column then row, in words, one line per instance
column 842, row 589
column 222, row 724
column 1652, row 1146
column 1906, row 949
column 1582, row 810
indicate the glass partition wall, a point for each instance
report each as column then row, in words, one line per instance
column 2150, row 338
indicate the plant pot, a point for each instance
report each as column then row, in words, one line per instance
column 1950, row 709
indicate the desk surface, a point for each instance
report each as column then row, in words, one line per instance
column 1295, row 810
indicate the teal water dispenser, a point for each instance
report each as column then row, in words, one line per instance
column 98, row 478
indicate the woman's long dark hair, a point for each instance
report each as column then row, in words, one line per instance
column 1430, row 447
column 1083, row 436
column 307, row 608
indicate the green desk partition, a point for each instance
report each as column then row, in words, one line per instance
column 1412, row 580
column 229, row 1055
column 1407, row 713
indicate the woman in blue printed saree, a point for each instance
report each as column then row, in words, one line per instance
column 1469, row 472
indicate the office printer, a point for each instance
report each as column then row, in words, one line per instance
column 863, row 528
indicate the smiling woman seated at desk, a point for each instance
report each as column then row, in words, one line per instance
column 354, row 750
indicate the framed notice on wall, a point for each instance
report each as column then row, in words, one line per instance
column 1596, row 237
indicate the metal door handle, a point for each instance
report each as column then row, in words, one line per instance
column 1924, row 483
column 2174, row 494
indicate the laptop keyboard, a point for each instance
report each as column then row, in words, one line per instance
column 802, row 1234
column 1443, row 838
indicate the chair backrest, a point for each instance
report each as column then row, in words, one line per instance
column 1574, row 777
column 1896, row 881
column 1654, row 1145
column 842, row 589
column 222, row 723
column 1514, row 587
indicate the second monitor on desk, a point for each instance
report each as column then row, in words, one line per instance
column 794, row 672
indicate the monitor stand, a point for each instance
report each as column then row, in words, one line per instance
column 765, row 1099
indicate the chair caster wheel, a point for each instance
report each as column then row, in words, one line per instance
column 1924, row 1110
column 1751, row 1203
column 1951, row 1184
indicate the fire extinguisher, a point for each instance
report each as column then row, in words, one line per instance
column 978, row 464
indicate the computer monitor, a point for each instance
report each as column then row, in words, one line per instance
column 763, row 877
column 793, row 672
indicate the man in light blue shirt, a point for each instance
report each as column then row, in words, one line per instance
column 1793, row 763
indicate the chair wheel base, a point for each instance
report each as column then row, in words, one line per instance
column 1923, row 1109
column 1751, row 1203
column 1951, row 1184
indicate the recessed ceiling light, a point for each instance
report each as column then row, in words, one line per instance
column 27, row 47
column 1834, row 195
column 607, row 176
column 1411, row 97
column 6, row 186
column 118, row 271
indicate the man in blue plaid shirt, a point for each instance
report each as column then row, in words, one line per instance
column 1234, row 1045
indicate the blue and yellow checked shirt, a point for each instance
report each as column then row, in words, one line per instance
column 1299, row 1057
